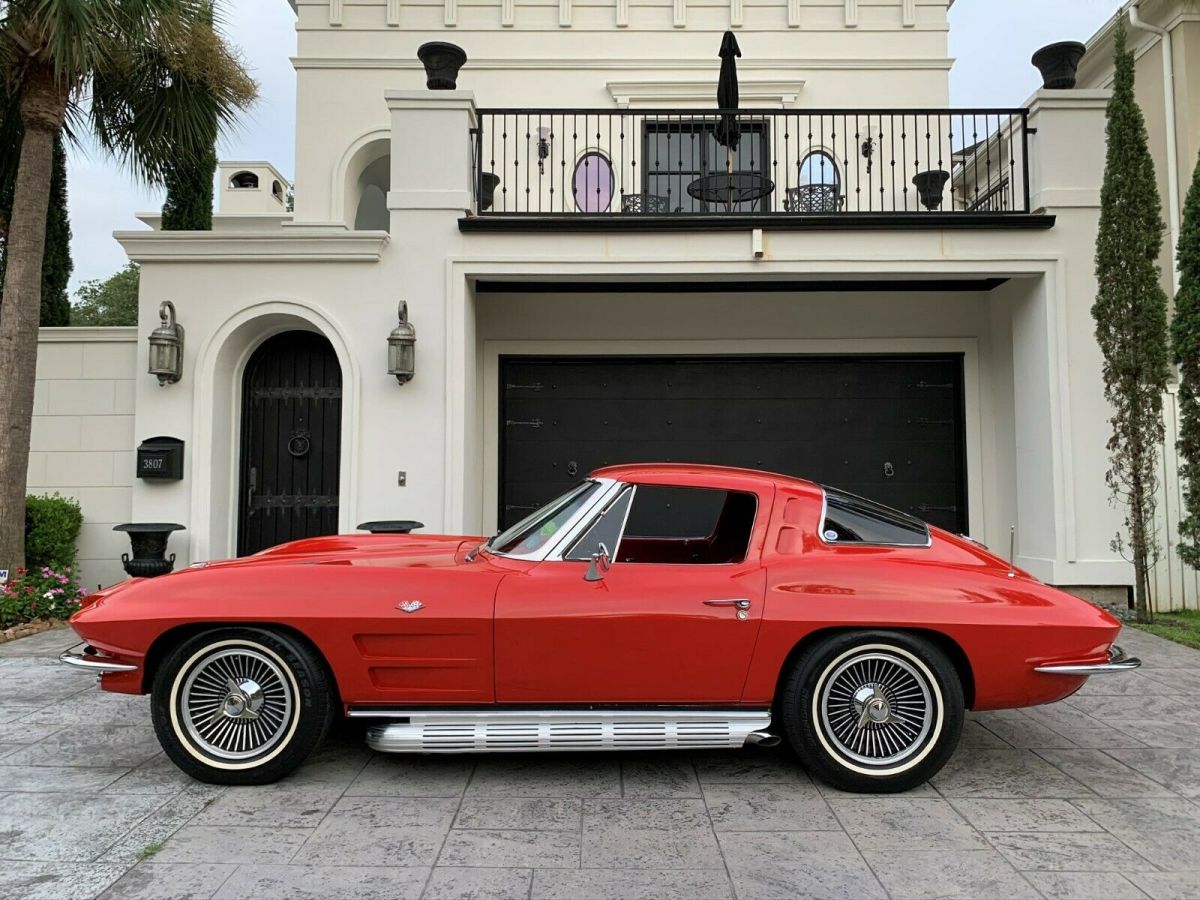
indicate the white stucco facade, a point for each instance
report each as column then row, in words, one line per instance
column 385, row 169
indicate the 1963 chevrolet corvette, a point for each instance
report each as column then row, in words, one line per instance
column 651, row 606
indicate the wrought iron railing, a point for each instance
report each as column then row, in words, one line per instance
column 830, row 163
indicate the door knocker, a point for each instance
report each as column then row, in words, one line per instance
column 572, row 468
column 888, row 470
column 300, row 444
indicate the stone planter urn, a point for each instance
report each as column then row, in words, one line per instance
column 149, row 542
column 442, row 62
column 391, row 526
column 930, row 185
column 1059, row 63
column 489, row 181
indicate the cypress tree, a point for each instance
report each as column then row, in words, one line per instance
column 1131, row 322
column 189, row 203
column 189, row 181
column 56, row 262
column 1185, row 344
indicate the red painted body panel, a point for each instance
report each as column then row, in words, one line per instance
column 499, row 630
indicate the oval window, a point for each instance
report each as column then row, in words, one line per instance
column 593, row 183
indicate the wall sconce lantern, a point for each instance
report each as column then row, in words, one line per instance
column 543, row 147
column 868, row 152
column 402, row 348
column 166, row 346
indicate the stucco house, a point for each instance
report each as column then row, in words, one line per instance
column 873, row 290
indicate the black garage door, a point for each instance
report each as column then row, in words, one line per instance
column 886, row 427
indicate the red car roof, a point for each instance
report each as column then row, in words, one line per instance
column 657, row 472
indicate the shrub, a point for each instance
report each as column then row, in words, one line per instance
column 51, row 527
column 41, row 593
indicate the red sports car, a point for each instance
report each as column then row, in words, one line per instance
column 650, row 606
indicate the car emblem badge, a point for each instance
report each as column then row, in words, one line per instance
column 410, row 606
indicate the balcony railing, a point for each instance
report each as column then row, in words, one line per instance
column 827, row 164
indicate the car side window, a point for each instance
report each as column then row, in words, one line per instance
column 605, row 529
column 687, row 526
column 856, row 520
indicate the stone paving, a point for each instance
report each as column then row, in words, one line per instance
column 1094, row 797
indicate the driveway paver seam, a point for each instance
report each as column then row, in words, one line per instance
column 445, row 837
column 858, row 849
column 713, row 828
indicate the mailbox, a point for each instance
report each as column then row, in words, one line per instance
column 160, row 457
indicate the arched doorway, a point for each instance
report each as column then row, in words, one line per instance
column 291, row 441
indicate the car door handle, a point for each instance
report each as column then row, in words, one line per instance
column 739, row 602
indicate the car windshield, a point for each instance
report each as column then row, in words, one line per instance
column 535, row 530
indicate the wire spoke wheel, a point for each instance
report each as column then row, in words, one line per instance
column 876, row 708
column 236, row 703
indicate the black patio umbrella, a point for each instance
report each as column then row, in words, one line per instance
column 728, row 132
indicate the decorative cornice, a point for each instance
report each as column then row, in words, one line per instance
column 735, row 13
column 751, row 91
column 908, row 13
column 508, row 13
column 793, row 13
column 208, row 246
column 630, row 65
column 679, row 13
column 622, row 13
column 393, row 13
column 116, row 334
column 851, row 13
column 564, row 13
column 335, row 12
column 451, row 14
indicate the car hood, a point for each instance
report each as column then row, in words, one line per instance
column 393, row 550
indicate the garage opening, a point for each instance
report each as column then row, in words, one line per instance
column 889, row 428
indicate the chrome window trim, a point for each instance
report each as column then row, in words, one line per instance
column 570, row 527
column 568, row 546
column 821, row 533
column 617, row 551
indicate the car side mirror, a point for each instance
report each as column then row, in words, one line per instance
column 598, row 566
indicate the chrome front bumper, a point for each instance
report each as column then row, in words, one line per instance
column 1117, row 662
column 78, row 659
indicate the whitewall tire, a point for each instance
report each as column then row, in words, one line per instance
column 241, row 705
column 873, row 712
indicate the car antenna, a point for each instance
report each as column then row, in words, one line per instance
column 1012, row 551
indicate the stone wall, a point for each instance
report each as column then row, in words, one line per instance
column 83, row 442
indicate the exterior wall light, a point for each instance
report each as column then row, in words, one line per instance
column 544, row 136
column 402, row 348
column 166, row 346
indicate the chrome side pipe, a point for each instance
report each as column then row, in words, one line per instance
column 762, row 739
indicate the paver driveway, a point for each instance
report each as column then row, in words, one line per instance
column 1093, row 797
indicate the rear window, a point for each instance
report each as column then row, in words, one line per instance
column 850, row 519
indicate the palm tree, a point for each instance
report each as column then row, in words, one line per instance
column 151, row 80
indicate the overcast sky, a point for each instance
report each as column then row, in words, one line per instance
column 991, row 41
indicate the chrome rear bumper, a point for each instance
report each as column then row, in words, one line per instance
column 77, row 658
column 1117, row 662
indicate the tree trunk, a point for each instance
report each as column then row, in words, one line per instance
column 1140, row 541
column 42, row 108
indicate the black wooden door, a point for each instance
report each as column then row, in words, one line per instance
column 886, row 427
column 291, row 441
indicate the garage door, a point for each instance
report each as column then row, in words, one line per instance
column 886, row 427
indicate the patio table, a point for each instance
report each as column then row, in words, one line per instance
column 730, row 188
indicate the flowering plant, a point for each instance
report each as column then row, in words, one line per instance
column 41, row 593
